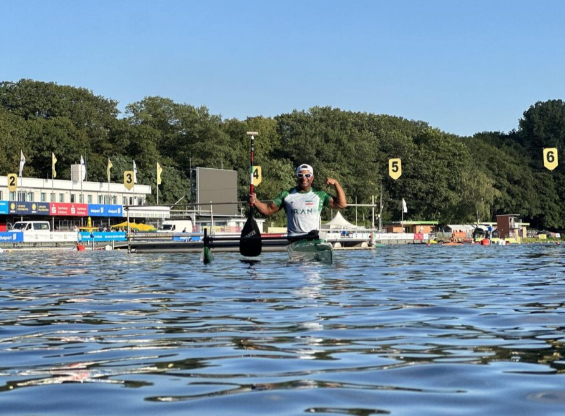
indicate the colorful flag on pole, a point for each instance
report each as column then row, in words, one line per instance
column 404, row 207
column 53, row 162
column 22, row 162
column 159, row 171
column 134, row 172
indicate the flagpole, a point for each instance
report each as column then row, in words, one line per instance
column 53, row 174
column 402, row 220
column 381, row 210
column 134, row 180
column 159, row 171
column 109, row 166
column 22, row 164
column 82, row 176
column 373, row 211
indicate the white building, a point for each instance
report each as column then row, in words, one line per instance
column 68, row 191
column 69, row 203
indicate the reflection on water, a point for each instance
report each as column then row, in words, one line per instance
column 402, row 330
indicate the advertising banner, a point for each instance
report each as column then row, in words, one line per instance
column 99, row 210
column 66, row 209
column 28, row 208
column 102, row 236
column 176, row 238
column 4, row 207
column 8, row 237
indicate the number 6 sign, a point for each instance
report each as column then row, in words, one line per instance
column 550, row 158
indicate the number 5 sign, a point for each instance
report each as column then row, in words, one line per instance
column 550, row 159
column 394, row 168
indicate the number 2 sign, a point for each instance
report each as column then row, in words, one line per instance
column 12, row 182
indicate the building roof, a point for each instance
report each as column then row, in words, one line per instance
column 461, row 227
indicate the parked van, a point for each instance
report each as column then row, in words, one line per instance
column 35, row 227
column 175, row 226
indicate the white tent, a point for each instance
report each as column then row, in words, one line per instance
column 340, row 223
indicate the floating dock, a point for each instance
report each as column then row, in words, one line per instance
column 147, row 245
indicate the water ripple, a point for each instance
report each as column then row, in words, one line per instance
column 402, row 330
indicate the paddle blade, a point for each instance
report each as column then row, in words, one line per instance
column 206, row 256
column 250, row 243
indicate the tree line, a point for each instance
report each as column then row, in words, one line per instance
column 445, row 177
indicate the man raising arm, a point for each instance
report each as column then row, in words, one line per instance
column 303, row 205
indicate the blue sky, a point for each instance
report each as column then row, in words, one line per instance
column 461, row 66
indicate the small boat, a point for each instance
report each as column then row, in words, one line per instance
column 311, row 251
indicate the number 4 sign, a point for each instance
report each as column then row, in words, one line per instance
column 256, row 175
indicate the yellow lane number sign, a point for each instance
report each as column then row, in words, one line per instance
column 12, row 182
column 550, row 158
column 128, row 179
column 394, row 168
column 256, row 175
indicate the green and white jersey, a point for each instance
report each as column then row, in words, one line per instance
column 303, row 209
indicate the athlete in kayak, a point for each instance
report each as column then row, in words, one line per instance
column 303, row 205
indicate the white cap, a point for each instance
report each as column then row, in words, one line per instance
column 304, row 167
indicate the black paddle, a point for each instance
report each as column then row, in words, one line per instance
column 250, row 244
column 206, row 255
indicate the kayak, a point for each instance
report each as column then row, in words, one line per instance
column 311, row 251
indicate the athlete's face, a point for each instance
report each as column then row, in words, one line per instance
column 304, row 180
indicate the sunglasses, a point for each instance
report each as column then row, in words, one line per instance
column 302, row 175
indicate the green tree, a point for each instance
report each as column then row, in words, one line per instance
column 543, row 125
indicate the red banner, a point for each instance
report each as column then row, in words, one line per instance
column 418, row 236
column 77, row 210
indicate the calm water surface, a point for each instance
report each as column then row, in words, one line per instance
column 402, row 330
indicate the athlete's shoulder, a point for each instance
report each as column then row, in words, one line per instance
column 282, row 195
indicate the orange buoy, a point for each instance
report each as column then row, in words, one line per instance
column 80, row 247
column 485, row 242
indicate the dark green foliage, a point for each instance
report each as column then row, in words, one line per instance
column 445, row 177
